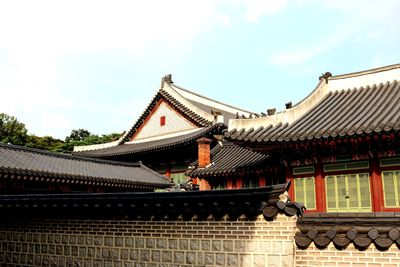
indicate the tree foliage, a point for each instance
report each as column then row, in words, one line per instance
column 12, row 131
column 78, row 135
column 44, row 142
column 91, row 139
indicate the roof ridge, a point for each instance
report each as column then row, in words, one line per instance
column 69, row 156
column 205, row 97
column 363, row 72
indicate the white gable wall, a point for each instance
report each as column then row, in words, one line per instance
column 174, row 122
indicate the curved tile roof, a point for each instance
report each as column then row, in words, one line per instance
column 228, row 158
column 195, row 107
column 381, row 229
column 347, row 112
column 251, row 202
column 155, row 145
column 27, row 162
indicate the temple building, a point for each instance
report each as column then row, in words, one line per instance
column 339, row 146
column 165, row 136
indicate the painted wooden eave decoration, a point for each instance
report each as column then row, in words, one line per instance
column 381, row 229
column 198, row 205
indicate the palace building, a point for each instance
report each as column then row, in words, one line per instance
column 164, row 137
column 339, row 146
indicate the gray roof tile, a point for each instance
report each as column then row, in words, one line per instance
column 155, row 145
column 340, row 113
column 228, row 158
column 16, row 160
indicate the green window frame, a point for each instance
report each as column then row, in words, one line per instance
column 251, row 182
column 348, row 193
column 304, row 192
column 391, row 188
column 179, row 177
column 219, row 185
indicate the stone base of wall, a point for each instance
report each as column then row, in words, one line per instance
column 351, row 256
column 148, row 243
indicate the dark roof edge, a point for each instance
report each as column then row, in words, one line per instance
column 202, row 132
column 216, row 101
column 362, row 229
column 252, row 202
column 72, row 156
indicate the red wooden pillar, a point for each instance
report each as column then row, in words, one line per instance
column 229, row 183
column 289, row 177
column 239, row 182
column 320, row 194
column 262, row 182
column 376, row 185
column 204, row 185
column 168, row 172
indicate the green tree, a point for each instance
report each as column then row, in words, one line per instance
column 83, row 137
column 78, row 135
column 12, row 131
column 44, row 142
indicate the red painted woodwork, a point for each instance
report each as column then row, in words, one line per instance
column 382, row 203
column 154, row 110
column 261, row 181
column 229, row 183
column 239, row 182
column 376, row 186
column 289, row 177
column 162, row 120
column 320, row 195
column 168, row 172
column 147, row 118
column 204, row 185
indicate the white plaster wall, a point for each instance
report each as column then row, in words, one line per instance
column 173, row 123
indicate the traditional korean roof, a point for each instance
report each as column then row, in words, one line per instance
column 199, row 110
column 153, row 205
column 345, row 105
column 21, row 163
column 154, row 145
column 228, row 158
column 381, row 229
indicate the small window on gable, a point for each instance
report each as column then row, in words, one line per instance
column 162, row 120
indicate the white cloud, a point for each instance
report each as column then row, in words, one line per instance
column 258, row 8
column 373, row 20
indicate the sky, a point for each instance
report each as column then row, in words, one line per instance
column 97, row 64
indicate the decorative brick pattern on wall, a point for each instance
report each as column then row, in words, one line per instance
column 351, row 257
column 148, row 243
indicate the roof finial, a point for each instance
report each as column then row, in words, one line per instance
column 166, row 79
column 325, row 76
column 271, row 111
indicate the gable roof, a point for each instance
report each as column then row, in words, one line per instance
column 155, row 144
column 344, row 105
column 27, row 163
column 199, row 110
column 227, row 159
column 196, row 108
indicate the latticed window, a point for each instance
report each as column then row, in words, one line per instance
column 348, row 192
column 179, row 177
column 391, row 188
column 250, row 182
column 304, row 191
